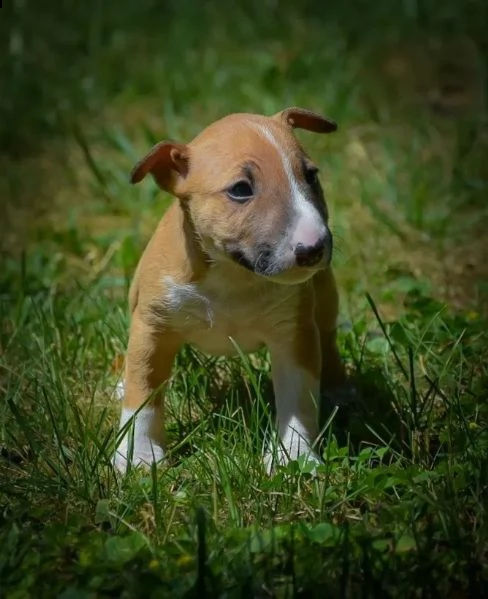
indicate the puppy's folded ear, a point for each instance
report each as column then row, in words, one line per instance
column 167, row 162
column 300, row 118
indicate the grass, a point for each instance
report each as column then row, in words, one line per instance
column 398, row 508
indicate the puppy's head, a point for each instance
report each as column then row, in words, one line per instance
column 252, row 192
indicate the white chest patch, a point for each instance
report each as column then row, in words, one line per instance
column 215, row 313
column 187, row 298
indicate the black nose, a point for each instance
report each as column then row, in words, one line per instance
column 309, row 255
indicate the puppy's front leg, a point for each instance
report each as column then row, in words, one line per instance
column 296, row 381
column 150, row 357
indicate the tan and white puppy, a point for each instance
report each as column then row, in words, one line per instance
column 242, row 257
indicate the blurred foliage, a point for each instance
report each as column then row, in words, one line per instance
column 61, row 57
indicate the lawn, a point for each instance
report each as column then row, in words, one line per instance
column 398, row 507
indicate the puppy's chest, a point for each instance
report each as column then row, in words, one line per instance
column 210, row 313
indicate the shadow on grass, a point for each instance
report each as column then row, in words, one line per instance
column 369, row 418
column 229, row 392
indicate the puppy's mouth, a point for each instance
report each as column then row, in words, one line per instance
column 264, row 262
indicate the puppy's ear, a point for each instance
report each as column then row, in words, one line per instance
column 300, row 118
column 167, row 162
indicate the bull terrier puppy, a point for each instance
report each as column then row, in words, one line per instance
column 242, row 257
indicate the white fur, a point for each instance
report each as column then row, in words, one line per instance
column 308, row 226
column 144, row 449
column 179, row 296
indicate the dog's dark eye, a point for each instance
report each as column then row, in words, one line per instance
column 311, row 175
column 240, row 191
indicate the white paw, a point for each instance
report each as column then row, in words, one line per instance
column 144, row 453
column 278, row 456
column 139, row 446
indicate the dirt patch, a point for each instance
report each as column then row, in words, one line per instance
column 442, row 74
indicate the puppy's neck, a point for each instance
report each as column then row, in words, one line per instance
column 198, row 258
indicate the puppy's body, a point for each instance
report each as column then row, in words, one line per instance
column 241, row 258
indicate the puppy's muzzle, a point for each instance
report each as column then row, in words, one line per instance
column 311, row 255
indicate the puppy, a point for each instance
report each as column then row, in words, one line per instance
column 242, row 257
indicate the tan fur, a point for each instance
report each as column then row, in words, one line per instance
column 186, row 290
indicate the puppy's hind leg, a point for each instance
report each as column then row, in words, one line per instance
column 335, row 388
